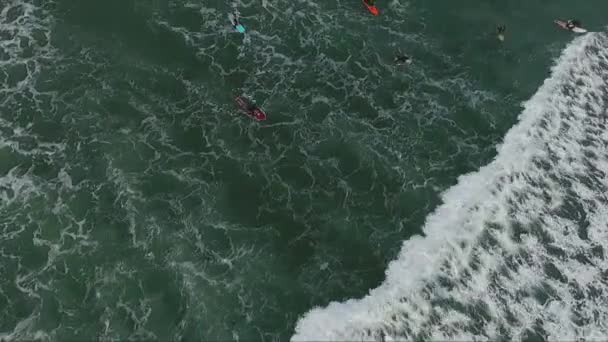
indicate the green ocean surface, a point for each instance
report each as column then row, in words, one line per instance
column 137, row 203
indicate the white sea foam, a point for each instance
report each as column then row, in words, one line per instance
column 25, row 35
column 518, row 247
column 25, row 30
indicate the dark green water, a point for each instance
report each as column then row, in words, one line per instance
column 137, row 203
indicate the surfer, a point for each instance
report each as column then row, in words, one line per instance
column 402, row 59
column 500, row 32
column 235, row 20
column 250, row 108
column 371, row 2
column 236, row 24
column 572, row 24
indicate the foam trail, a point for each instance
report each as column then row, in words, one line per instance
column 518, row 249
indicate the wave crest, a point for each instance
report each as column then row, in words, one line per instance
column 517, row 249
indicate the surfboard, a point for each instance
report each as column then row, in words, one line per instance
column 372, row 9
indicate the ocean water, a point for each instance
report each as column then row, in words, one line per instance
column 464, row 197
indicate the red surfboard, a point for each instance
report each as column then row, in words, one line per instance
column 371, row 8
column 249, row 108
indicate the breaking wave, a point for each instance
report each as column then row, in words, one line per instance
column 518, row 249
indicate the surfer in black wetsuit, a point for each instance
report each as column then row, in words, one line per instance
column 251, row 107
column 234, row 18
column 500, row 32
column 572, row 24
column 237, row 21
column 402, row 59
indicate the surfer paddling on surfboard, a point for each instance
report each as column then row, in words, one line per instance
column 500, row 32
column 402, row 59
column 571, row 25
column 236, row 24
column 250, row 108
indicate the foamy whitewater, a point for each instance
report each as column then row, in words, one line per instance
column 518, row 249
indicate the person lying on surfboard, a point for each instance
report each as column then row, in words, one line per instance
column 235, row 20
column 236, row 24
column 572, row 24
column 402, row 59
column 250, row 108
column 500, row 32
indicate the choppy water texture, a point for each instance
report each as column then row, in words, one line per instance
column 136, row 203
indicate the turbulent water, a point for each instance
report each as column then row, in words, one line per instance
column 136, row 203
column 517, row 250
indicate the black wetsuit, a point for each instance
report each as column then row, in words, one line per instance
column 235, row 20
column 571, row 24
column 402, row 59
